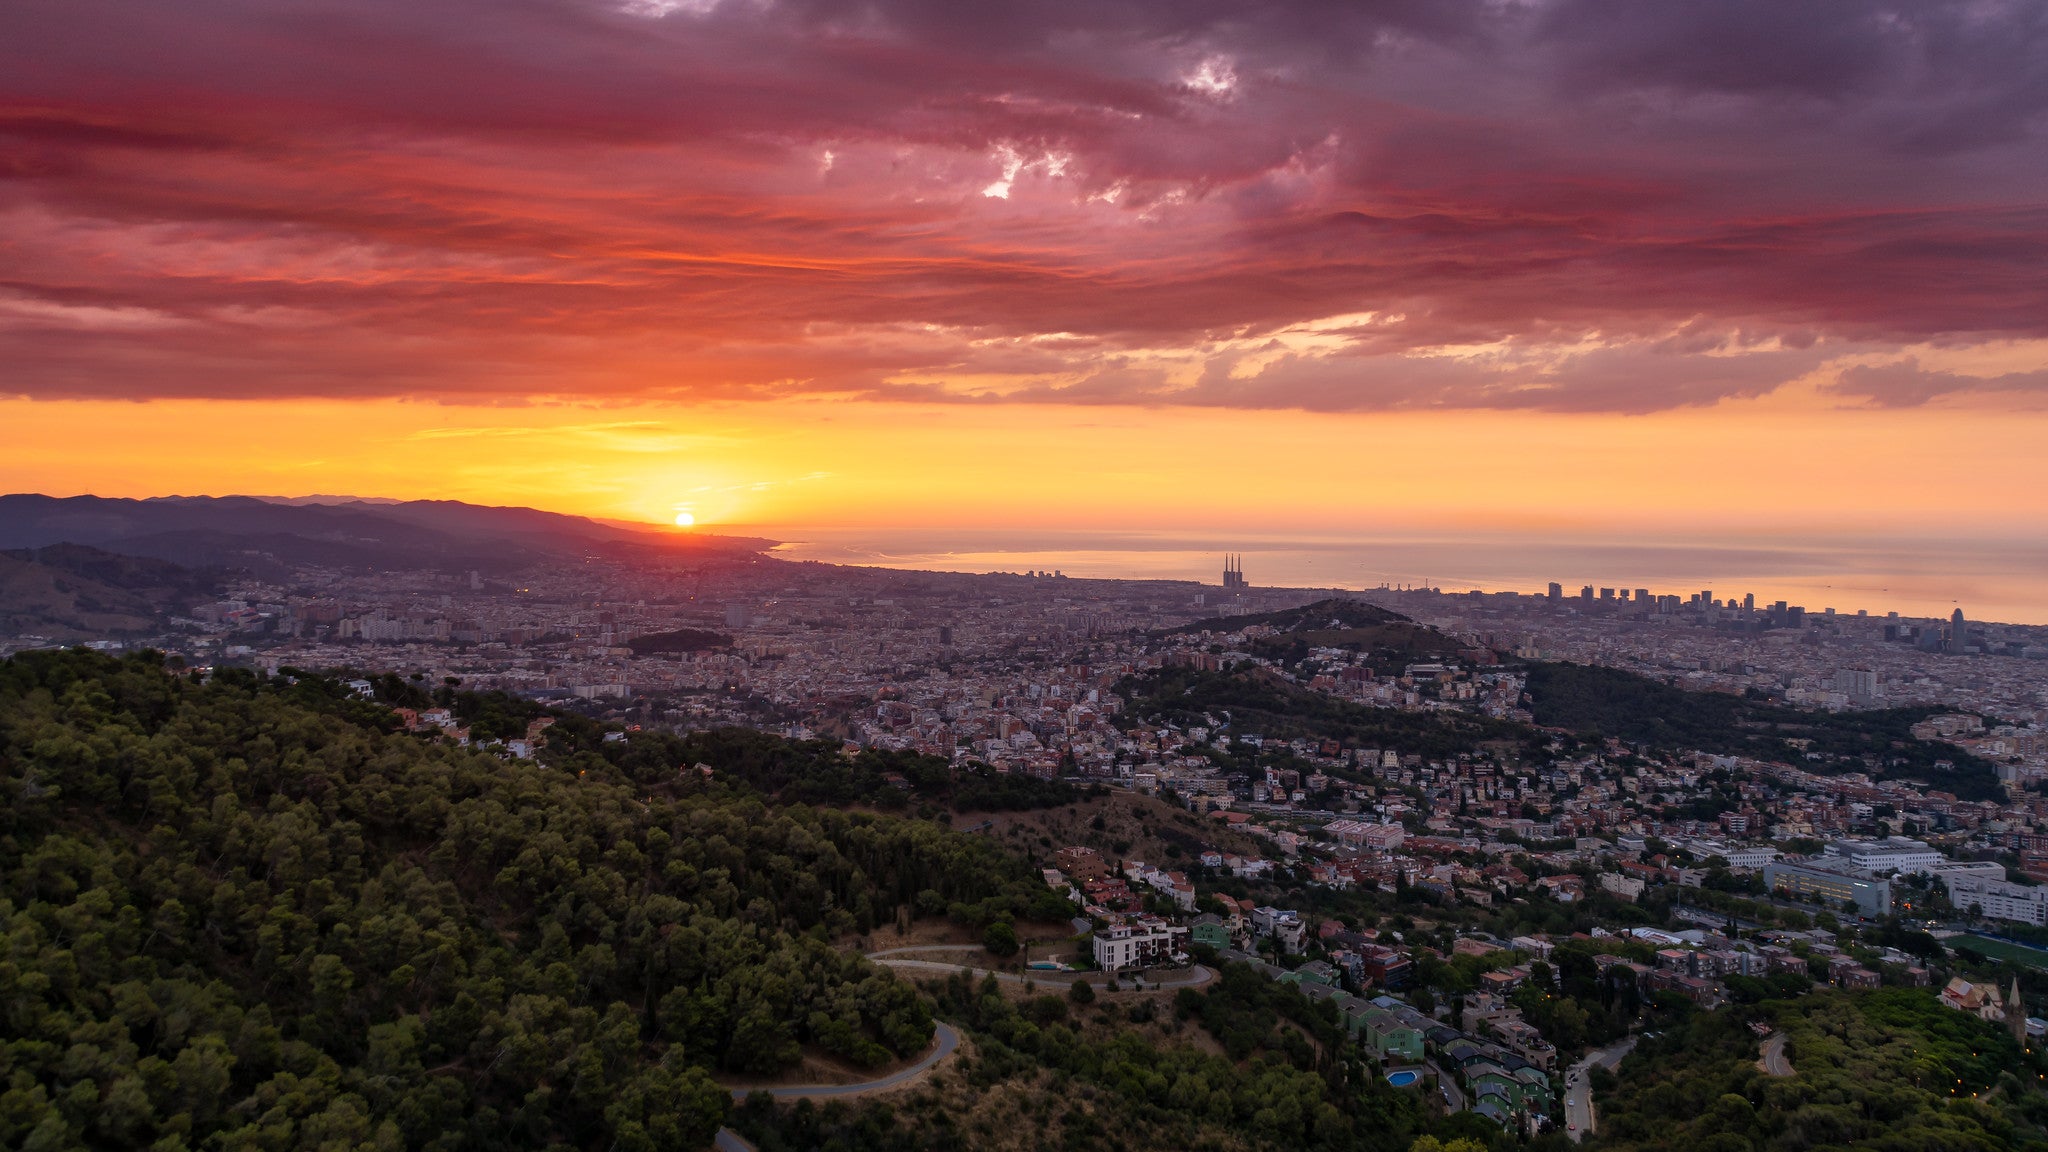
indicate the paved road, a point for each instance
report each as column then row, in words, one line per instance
column 1578, row 1089
column 728, row 1140
column 1193, row 977
column 1454, row 1097
column 948, row 1040
column 1774, row 1062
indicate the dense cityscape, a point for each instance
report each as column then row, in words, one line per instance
column 1700, row 872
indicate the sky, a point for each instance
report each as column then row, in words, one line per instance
column 1582, row 266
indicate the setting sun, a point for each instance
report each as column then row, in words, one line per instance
column 685, row 520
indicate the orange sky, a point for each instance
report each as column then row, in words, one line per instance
column 1294, row 268
column 1769, row 466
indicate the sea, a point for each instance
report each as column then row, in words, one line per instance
column 1991, row 580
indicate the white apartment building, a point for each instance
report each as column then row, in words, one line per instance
column 1129, row 946
column 1884, row 857
column 1995, row 897
column 1737, row 855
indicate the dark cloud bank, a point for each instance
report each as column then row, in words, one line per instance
column 1601, row 205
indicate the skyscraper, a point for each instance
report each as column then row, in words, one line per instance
column 1958, row 632
column 1555, row 591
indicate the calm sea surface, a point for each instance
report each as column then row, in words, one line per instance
column 1990, row 580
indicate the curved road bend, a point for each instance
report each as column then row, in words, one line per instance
column 1578, row 1088
column 1774, row 1062
column 948, row 1040
column 728, row 1140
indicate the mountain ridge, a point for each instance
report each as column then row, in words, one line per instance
column 255, row 531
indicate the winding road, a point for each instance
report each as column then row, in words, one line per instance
column 1774, row 1062
column 948, row 1040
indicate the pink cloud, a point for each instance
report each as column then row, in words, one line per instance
column 565, row 197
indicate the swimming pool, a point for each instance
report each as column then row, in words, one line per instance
column 1403, row 1078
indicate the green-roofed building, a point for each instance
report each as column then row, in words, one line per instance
column 1387, row 1036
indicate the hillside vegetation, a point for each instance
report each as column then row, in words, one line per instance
column 1261, row 703
column 1880, row 1070
column 68, row 591
column 243, row 915
column 1612, row 702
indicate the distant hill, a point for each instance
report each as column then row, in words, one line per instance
column 1388, row 639
column 1257, row 701
column 1323, row 615
column 1880, row 742
column 268, row 532
column 69, row 591
column 680, row 640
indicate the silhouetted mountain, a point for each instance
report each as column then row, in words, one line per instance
column 66, row 591
column 260, row 533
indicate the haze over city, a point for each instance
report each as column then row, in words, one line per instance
column 1591, row 270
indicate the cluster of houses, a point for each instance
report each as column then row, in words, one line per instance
column 1487, row 1054
column 1494, row 1061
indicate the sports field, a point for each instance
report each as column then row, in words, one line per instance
column 2003, row 950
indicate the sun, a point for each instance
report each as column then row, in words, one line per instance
column 685, row 520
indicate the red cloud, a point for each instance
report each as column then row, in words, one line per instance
column 562, row 197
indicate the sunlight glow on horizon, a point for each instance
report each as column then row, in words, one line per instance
column 1733, row 467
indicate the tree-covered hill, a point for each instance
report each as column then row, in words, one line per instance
column 680, row 640
column 1388, row 640
column 1886, row 1070
column 1333, row 613
column 244, row 914
column 69, row 590
column 1260, row 702
column 1613, row 702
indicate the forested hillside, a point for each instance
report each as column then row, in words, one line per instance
column 1878, row 1070
column 1056, row 1072
column 1260, row 702
column 1613, row 702
column 245, row 915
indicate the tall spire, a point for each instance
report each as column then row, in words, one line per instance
column 2016, row 1014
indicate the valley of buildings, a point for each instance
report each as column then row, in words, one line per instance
column 1020, row 672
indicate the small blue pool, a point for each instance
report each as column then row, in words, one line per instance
column 1403, row 1078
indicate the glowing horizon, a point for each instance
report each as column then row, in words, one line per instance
column 1753, row 466
column 1573, row 266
